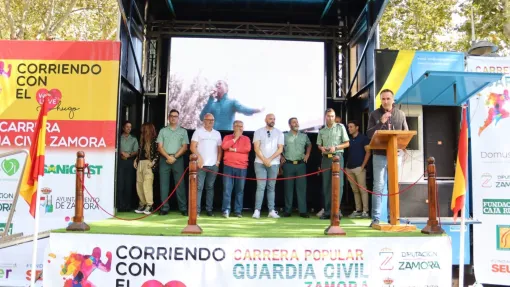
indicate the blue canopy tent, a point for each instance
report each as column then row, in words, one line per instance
column 448, row 88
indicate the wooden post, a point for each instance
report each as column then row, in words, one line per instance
column 192, row 227
column 334, row 228
column 393, row 196
column 432, row 224
column 78, row 223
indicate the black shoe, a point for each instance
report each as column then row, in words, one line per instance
column 209, row 213
column 286, row 214
column 325, row 216
column 304, row 215
column 163, row 212
column 373, row 222
column 239, row 215
column 140, row 209
column 184, row 213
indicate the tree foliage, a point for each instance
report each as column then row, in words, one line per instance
column 429, row 25
column 416, row 24
column 58, row 19
column 490, row 19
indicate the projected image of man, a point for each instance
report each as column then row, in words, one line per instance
column 224, row 108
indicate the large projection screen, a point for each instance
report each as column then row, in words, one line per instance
column 246, row 79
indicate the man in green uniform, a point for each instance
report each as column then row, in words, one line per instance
column 172, row 144
column 332, row 140
column 126, row 172
column 294, row 164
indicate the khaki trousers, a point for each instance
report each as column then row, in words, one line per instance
column 360, row 195
column 144, row 180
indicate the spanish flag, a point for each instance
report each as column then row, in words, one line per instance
column 35, row 164
column 460, row 183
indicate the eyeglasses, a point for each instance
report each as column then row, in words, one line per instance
column 268, row 134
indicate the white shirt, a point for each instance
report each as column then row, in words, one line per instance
column 207, row 145
column 268, row 143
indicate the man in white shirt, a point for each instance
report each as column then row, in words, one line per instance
column 268, row 145
column 206, row 144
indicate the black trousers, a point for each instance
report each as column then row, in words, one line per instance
column 126, row 180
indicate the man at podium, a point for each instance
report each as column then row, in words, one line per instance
column 386, row 117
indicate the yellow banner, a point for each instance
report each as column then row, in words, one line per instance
column 78, row 90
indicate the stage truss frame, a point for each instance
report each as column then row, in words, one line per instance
column 158, row 30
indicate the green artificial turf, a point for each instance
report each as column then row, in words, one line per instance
column 217, row 226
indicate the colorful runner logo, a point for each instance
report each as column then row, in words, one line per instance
column 496, row 104
column 503, row 237
column 79, row 267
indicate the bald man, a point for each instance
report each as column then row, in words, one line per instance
column 268, row 145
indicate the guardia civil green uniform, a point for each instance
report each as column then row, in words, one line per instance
column 126, row 175
column 328, row 137
column 172, row 141
column 294, row 153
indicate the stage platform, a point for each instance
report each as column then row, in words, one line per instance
column 244, row 252
column 218, row 226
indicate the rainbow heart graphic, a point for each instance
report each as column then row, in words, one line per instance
column 54, row 96
column 156, row 283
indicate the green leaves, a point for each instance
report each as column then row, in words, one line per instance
column 59, row 19
column 444, row 25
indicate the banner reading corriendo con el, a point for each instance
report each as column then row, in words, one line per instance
column 81, row 80
column 126, row 260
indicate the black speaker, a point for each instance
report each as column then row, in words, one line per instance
column 414, row 202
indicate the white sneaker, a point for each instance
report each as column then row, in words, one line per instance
column 320, row 213
column 256, row 214
column 273, row 214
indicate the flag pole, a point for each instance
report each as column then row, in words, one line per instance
column 36, row 232
column 461, row 245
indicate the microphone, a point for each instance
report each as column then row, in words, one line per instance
column 390, row 125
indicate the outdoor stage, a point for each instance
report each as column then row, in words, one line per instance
column 265, row 252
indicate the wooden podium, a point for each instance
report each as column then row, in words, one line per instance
column 392, row 141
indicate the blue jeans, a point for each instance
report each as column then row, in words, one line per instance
column 233, row 183
column 208, row 178
column 261, row 171
column 380, row 203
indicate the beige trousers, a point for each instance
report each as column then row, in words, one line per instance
column 360, row 195
column 144, row 180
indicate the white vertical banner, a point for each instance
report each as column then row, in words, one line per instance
column 490, row 159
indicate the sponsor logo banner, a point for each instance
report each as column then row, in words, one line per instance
column 193, row 261
column 490, row 161
column 81, row 81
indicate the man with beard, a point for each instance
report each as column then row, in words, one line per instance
column 223, row 108
column 268, row 145
column 386, row 117
column 296, row 151
column 331, row 140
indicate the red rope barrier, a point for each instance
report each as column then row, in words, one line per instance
column 251, row 178
column 138, row 218
column 382, row 194
column 313, row 173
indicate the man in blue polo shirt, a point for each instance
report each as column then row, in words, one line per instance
column 357, row 159
column 224, row 109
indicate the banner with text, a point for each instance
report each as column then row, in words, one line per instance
column 16, row 264
column 81, row 80
column 214, row 261
column 490, row 156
